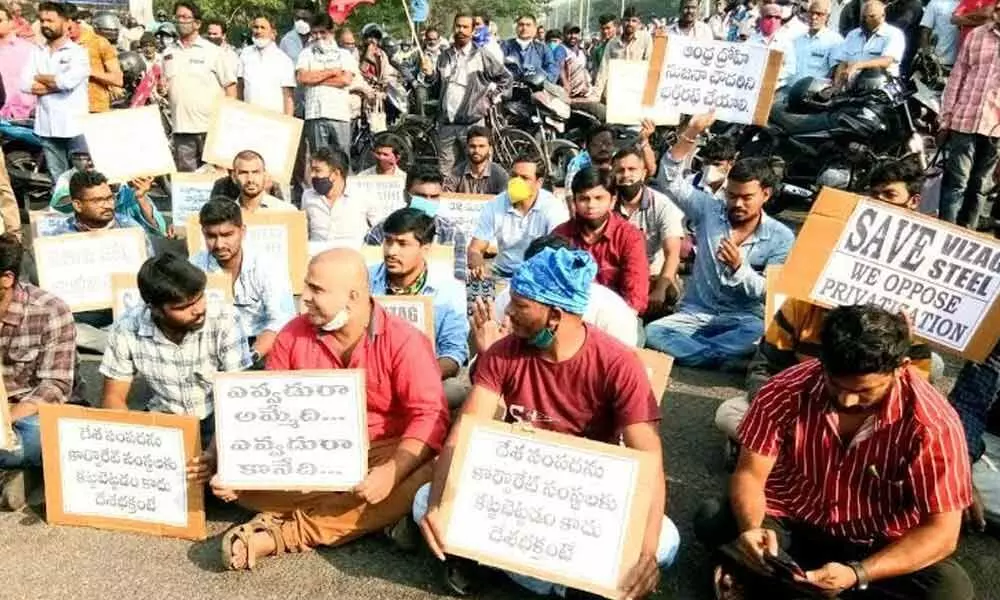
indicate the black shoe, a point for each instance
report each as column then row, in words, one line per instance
column 461, row 575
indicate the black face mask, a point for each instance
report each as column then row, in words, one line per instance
column 629, row 191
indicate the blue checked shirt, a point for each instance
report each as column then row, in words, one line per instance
column 262, row 293
column 446, row 233
column 451, row 325
column 973, row 396
column 179, row 375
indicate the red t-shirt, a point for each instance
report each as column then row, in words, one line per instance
column 595, row 394
column 402, row 380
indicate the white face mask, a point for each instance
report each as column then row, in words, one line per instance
column 327, row 45
column 524, row 43
column 262, row 42
column 338, row 321
column 713, row 174
column 302, row 27
column 786, row 12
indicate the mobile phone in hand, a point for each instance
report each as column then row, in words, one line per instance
column 479, row 288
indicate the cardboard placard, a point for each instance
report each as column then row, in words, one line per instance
column 692, row 76
column 291, row 430
column 238, row 126
column 128, row 143
column 464, row 210
column 854, row 250
column 556, row 507
column 773, row 300
column 188, row 193
column 384, row 193
column 272, row 234
column 77, row 267
column 125, row 291
column 658, row 366
column 626, row 89
column 45, row 222
column 416, row 310
column 123, row 470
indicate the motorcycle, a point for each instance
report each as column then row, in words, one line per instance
column 25, row 162
column 830, row 138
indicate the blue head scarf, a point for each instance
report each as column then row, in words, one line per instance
column 557, row 277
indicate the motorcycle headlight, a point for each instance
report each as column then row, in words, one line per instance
column 835, row 177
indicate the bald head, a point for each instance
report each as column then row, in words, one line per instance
column 336, row 290
column 819, row 13
column 872, row 15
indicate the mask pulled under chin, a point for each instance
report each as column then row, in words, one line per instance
column 543, row 339
column 338, row 321
column 261, row 42
column 627, row 191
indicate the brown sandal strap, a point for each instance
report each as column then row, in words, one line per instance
column 245, row 533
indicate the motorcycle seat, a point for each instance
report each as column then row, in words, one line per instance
column 797, row 124
column 576, row 112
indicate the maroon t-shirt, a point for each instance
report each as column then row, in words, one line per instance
column 597, row 393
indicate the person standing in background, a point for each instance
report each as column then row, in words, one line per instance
column 106, row 78
column 937, row 23
column 814, row 50
column 266, row 75
column 57, row 74
column 326, row 71
column 609, row 29
column 633, row 44
column 719, row 21
column 22, row 27
column 15, row 53
column 215, row 32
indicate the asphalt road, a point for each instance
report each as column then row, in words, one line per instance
column 48, row 563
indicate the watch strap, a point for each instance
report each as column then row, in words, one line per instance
column 861, row 573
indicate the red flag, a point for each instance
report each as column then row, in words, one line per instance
column 339, row 10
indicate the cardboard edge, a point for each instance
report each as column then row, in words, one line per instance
column 211, row 138
column 656, row 58
column 126, row 175
column 768, row 88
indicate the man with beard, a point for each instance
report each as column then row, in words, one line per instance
column 250, row 175
column 407, row 419
column 57, row 74
column 215, row 32
column 721, row 316
column 633, row 44
column 175, row 342
column 196, row 74
column 617, row 246
column 262, row 293
column 874, row 45
column 854, row 468
column 477, row 174
column 558, row 373
column 688, row 24
column 408, row 234
column 662, row 226
column 601, row 150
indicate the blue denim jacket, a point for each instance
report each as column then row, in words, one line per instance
column 536, row 57
column 714, row 287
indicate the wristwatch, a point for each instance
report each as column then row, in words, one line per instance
column 255, row 356
column 861, row 574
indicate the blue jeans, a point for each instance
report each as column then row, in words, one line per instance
column 698, row 339
column 30, row 452
column 666, row 551
column 968, row 177
column 57, row 151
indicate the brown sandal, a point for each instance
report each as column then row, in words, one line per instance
column 245, row 533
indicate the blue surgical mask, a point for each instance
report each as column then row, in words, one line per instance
column 322, row 185
column 553, row 45
column 543, row 339
column 428, row 207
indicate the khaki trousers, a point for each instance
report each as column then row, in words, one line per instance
column 334, row 518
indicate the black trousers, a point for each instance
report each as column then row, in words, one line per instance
column 715, row 526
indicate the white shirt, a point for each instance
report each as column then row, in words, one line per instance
column 266, row 73
column 324, row 101
column 885, row 41
column 196, row 76
column 814, row 54
column 787, row 49
column 791, row 30
column 937, row 18
column 60, row 114
column 606, row 311
column 270, row 203
column 699, row 30
column 344, row 224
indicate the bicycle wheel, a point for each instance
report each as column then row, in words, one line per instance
column 421, row 142
column 511, row 143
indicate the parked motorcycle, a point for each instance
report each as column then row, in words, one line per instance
column 25, row 161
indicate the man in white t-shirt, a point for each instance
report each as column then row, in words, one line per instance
column 266, row 76
column 326, row 71
column 336, row 215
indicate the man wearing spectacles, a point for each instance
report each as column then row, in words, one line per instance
column 814, row 49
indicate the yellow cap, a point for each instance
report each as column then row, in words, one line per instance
column 519, row 191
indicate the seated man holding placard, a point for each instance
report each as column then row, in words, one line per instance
column 423, row 191
column 408, row 235
column 852, row 479
column 558, row 373
column 39, row 365
column 262, row 293
column 407, row 416
column 721, row 316
column 175, row 342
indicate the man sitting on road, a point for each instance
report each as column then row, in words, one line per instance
column 262, row 294
column 477, row 174
column 852, row 466
column 388, row 151
column 250, row 174
column 335, row 213
column 404, row 272
column 617, row 246
column 722, row 314
column 553, row 365
column 407, row 416
column 39, row 365
column 514, row 218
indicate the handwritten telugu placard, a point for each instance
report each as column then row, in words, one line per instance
column 128, row 143
column 862, row 251
column 464, row 210
column 121, row 470
column 416, row 310
column 626, row 86
column 693, row 76
column 188, row 193
column 291, row 430
column 125, row 289
column 552, row 506
column 238, row 126
column 280, row 236
column 383, row 193
column 77, row 267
